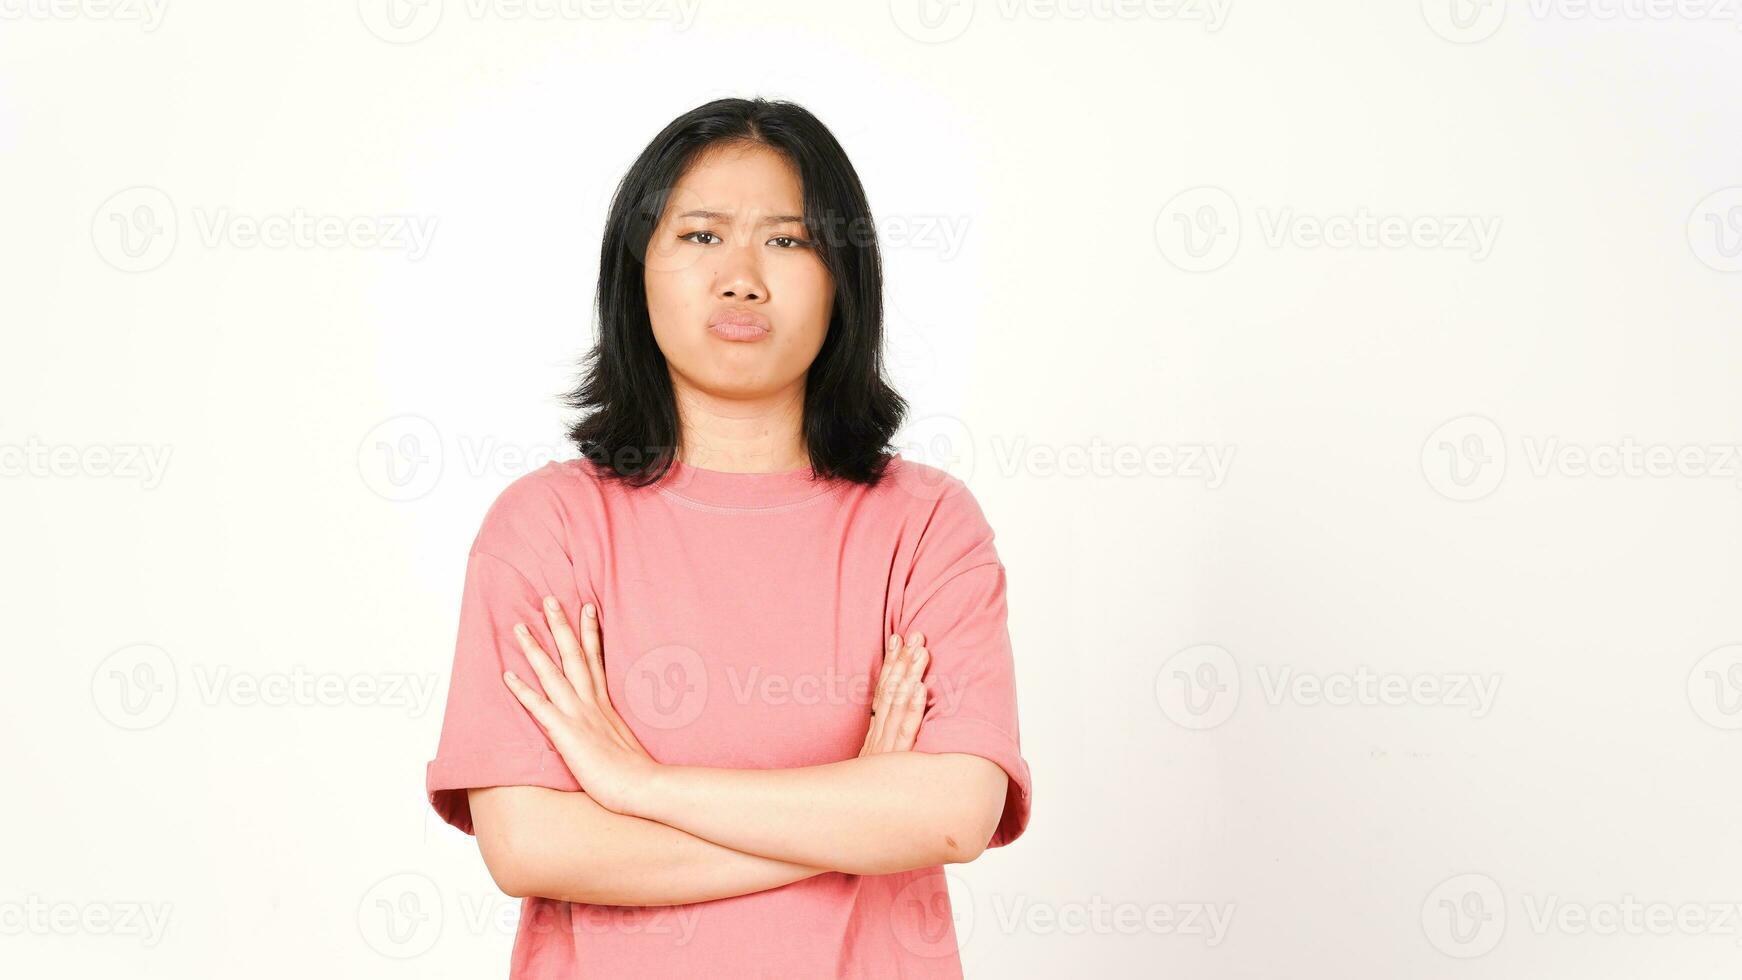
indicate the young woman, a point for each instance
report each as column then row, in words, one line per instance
column 732, row 687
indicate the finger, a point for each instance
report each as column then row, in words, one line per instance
column 876, row 698
column 884, row 732
column 593, row 653
column 890, row 738
column 874, row 731
column 568, row 647
column 542, row 710
column 620, row 728
column 910, row 719
column 550, row 718
column 891, row 650
column 556, row 687
column 879, row 714
column 912, row 670
column 877, row 736
column 592, row 650
column 888, row 682
column 895, row 699
column 906, row 673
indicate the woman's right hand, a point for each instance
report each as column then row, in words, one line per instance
column 898, row 702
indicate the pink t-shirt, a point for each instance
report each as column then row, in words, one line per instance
column 743, row 617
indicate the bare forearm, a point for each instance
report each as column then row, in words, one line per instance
column 876, row 814
column 566, row 846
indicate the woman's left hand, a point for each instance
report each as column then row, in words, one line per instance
column 575, row 709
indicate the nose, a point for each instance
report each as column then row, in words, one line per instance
column 739, row 279
column 744, row 288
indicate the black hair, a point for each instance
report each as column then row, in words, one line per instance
column 851, row 414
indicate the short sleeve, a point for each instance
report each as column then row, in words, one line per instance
column 956, row 598
column 488, row 738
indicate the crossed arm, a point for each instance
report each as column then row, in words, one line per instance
column 649, row 834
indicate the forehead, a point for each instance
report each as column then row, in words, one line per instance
column 740, row 180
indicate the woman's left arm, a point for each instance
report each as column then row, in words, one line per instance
column 876, row 814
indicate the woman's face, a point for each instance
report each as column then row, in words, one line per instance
column 731, row 245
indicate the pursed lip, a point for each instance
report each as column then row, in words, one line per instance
column 743, row 318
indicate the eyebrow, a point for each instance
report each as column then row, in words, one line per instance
column 773, row 219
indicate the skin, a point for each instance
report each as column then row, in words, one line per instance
column 567, row 846
column 645, row 833
column 741, row 405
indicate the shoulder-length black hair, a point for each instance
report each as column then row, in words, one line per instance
column 851, row 414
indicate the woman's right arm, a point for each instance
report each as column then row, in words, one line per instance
column 563, row 845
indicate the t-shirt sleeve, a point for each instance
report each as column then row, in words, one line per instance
column 956, row 597
column 488, row 738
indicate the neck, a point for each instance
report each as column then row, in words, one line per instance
column 750, row 435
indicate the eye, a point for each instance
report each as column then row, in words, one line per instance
column 691, row 236
column 796, row 242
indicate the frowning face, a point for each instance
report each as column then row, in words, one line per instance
column 737, row 292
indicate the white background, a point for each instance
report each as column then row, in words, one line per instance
column 1446, row 457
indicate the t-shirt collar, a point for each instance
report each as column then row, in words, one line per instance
column 743, row 491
